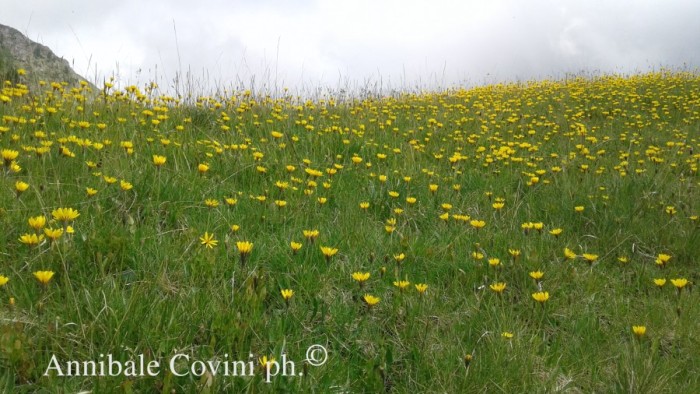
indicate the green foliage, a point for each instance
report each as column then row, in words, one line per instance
column 136, row 279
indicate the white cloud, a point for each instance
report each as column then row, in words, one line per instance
column 334, row 43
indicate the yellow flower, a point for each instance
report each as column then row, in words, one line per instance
column 541, row 296
column 265, row 362
column 3, row 280
column 477, row 255
column 53, row 234
column 411, row 200
column 208, row 240
column 569, row 254
column 244, row 247
column 662, row 259
column 623, row 259
column 295, row 246
column 556, row 232
column 402, row 284
column 90, row 191
column 639, row 331
column 537, row 275
column 498, row 287
column 468, row 359
column 579, row 208
column 421, row 287
column 8, row 156
column 591, row 258
column 679, row 283
column 37, row 222
column 498, row 205
column 231, row 201
column 507, row 335
column 477, row 224
column 322, row 200
column 21, row 187
column 310, row 235
column 211, row 203
column 370, row 300
column 159, row 161
column 515, row 253
column 399, row 257
column 494, row 262
column 234, row 228
column 31, row 239
column 660, row 282
column 287, row 294
column 125, row 185
column 364, row 205
column 44, row 277
column 328, row 252
column 65, row 214
column 202, row 168
column 433, row 188
column 360, row 277
column 110, row 179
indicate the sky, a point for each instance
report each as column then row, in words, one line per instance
column 378, row 45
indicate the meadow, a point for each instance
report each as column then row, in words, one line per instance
column 522, row 237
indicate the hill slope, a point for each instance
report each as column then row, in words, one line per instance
column 17, row 51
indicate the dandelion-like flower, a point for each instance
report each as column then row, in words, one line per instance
column 421, row 288
column 402, row 284
column 65, row 215
column 679, row 283
column 360, row 277
column 37, row 222
column 21, row 187
column 639, row 331
column 126, row 186
column 556, row 232
column 287, row 294
column 244, row 250
column 328, row 252
column 8, row 156
column 498, row 287
column 296, row 246
column 31, row 239
column 310, row 235
column 537, row 275
column 662, row 260
column 44, row 277
column 53, row 233
column 477, row 224
column 208, row 240
column 159, row 161
column 541, row 296
column 590, row 258
column 370, row 300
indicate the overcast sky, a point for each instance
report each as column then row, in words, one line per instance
column 306, row 44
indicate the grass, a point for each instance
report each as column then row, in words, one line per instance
column 135, row 280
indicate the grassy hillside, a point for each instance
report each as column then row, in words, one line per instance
column 530, row 237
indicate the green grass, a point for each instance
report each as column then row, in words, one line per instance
column 134, row 279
